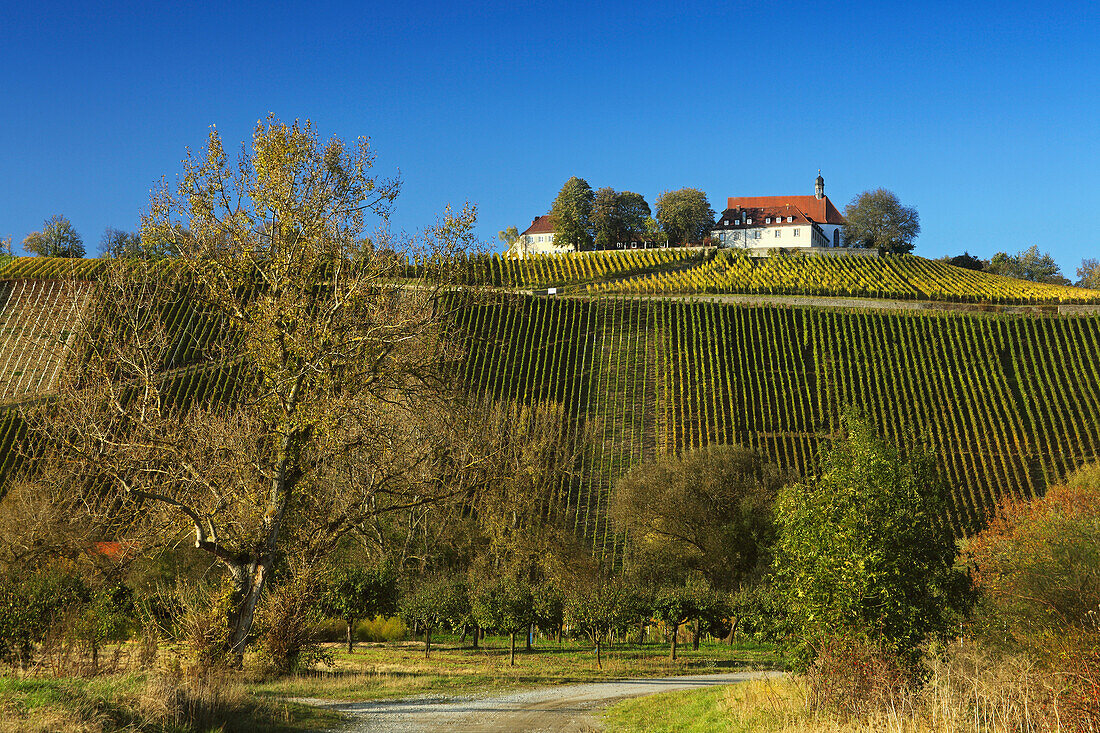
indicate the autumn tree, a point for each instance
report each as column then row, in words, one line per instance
column 878, row 220
column 1088, row 274
column 708, row 510
column 508, row 237
column 1029, row 264
column 302, row 395
column 685, row 215
column 572, row 214
column 58, row 238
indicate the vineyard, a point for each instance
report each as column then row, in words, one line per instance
column 1007, row 402
column 902, row 277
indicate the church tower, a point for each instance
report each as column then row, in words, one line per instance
column 819, row 186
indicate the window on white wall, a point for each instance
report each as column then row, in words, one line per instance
column 756, row 234
column 797, row 231
column 778, row 232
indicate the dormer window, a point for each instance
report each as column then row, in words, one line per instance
column 790, row 219
column 768, row 220
column 750, row 221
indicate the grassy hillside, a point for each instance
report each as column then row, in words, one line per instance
column 1009, row 402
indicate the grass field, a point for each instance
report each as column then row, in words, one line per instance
column 397, row 669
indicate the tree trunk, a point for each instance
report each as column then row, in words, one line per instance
column 351, row 625
column 462, row 639
column 512, row 651
column 476, row 635
column 599, row 664
column 675, row 631
column 248, row 584
column 530, row 633
column 696, row 632
column 427, row 641
column 733, row 628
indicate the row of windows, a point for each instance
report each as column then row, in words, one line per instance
column 757, row 234
column 768, row 220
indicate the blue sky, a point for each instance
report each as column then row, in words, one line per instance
column 984, row 116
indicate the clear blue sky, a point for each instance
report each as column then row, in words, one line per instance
column 985, row 116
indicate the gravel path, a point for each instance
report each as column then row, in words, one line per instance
column 561, row 708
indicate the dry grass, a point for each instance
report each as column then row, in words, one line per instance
column 967, row 691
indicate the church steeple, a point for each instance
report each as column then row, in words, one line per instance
column 819, row 186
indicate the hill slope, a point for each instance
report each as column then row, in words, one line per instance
column 1009, row 402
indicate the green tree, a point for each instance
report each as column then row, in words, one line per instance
column 5, row 249
column 58, row 238
column 598, row 610
column 864, row 549
column 504, row 604
column 1029, row 264
column 572, row 214
column 434, row 603
column 675, row 607
column 353, row 592
column 618, row 216
column 877, row 219
column 1088, row 274
column 708, row 510
column 685, row 215
column 966, row 261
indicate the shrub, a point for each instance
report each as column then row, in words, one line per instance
column 1037, row 566
column 864, row 551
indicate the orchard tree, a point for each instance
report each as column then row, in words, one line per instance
column 504, row 604
column 434, row 603
column 353, row 592
column 571, row 214
column 685, row 215
column 58, row 238
column 339, row 410
column 878, row 220
column 599, row 609
column 864, row 548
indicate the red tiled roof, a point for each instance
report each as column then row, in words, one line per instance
column 760, row 215
column 820, row 210
column 541, row 225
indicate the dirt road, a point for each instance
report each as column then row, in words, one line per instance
column 562, row 708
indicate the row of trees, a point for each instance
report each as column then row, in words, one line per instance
column 59, row 238
column 602, row 219
column 1030, row 264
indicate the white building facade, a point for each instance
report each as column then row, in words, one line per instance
column 763, row 223
column 537, row 239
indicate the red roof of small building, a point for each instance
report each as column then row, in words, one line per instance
column 820, row 211
column 541, row 225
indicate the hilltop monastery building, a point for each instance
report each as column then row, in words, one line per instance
column 758, row 223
